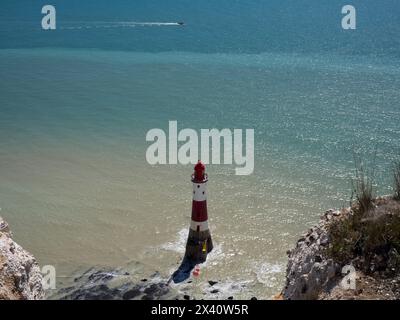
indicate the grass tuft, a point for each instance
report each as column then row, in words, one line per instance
column 377, row 235
column 396, row 176
column 363, row 187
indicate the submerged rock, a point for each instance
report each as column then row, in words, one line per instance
column 117, row 284
column 114, row 284
column 20, row 276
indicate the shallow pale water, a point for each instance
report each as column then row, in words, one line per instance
column 74, row 182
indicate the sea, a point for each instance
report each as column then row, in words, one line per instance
column 77, row 102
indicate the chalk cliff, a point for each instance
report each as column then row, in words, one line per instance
column 20, row 276
column 367, row 241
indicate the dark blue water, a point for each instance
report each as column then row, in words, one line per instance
column 225, row 26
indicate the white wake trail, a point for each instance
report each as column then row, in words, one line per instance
column 151, row 23
column 119, row 24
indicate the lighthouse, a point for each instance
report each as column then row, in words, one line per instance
column 199, row 242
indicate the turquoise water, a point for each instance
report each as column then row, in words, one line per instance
column 76, row 104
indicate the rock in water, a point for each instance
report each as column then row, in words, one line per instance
column 115, row 284
column 20, row 276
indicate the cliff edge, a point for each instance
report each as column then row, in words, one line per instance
column 363, row 242
column 20, row 276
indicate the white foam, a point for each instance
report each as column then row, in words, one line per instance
column 215, row 256
column 179, row 244
column 266, row 273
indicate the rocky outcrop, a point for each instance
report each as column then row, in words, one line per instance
column 20, row 276
column 365, row 241
column 102, row 283
column 309, row 271
column 114, row 284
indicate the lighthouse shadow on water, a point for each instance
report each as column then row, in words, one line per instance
column 184, row 270
column 199, row 242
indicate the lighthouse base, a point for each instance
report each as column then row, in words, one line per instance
column 198, row 245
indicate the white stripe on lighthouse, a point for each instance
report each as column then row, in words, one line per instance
column 199, row 191
column 202, row 226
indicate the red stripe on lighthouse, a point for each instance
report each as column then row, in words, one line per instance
column 199, row 211
column 199, row 204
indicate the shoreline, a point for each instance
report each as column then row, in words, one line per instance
column 312, row 272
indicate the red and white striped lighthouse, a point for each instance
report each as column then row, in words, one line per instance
column 199, row 242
